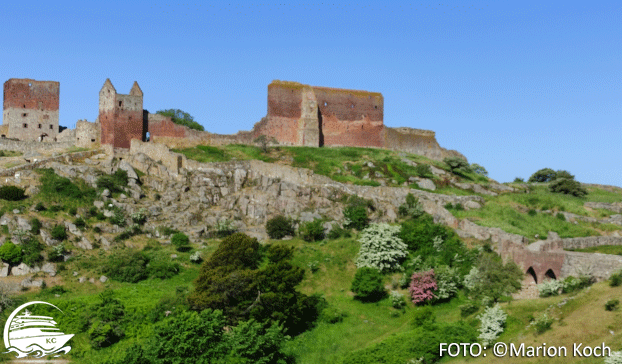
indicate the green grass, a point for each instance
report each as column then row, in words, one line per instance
column 604, row 249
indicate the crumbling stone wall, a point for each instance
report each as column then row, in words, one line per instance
column 417, row 141
column 121, row 116
column 31, row 108
column 88, row 134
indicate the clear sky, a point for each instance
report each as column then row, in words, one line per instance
column 513, row 85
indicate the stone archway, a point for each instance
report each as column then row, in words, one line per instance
column 531, row 276
column 550, row 274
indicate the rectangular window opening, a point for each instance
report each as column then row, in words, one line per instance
column 39, row 126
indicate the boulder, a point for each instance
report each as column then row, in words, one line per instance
column 4, row 271
column 426, row 184
column 85, row 244
column 21, row 270
column 131, row 173
column 469, row 205
column 73, row 228
column 49, row 268
column 103, row 279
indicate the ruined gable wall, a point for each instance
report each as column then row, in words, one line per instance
column 164, row 131
column 87, row 134
column 106, row 118
column 31, row 108
column 284, row 111
column 120, row 116
column 350, row 118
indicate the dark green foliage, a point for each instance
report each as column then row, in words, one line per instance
column 80, row 223
column 518, row 180
column 58, row 233
column 57, row 208
column 162, row 269
column 73, row 211
column 92, row 212
column 10, row 253
column 422, row 342
column 57, row 187
column 173, row 304
column 568, row 186
column 457, row 164
column 31, row 249
column 476, row 168
column 560, row 216
column 412, row 208
column 56, row 254
column 279, row 226
column 356, row 217
column 615, row 280
column 12, row 193
column 105, row 325
column 126, row 266
column 612, row 305
column 114, row 182
column 543, row 175
column 39, row 206
column 264, row 142
column 563, row 174
column 532, row 212
column 231, row 281
column 181, row 118
column 367, row 284
column 35, row 226
column 497, row 279
column 468, row 309
column 332, row 315
column 337, row 231
column 199, row 337
column 423, row 170
column 181, row 241
column 312, row 230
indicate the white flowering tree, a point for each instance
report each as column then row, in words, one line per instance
column 614, row 358
column 493, row 323
column 381, row 248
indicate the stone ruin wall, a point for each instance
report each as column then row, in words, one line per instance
column 30, row 108
column 417, row 141
column 87, row 134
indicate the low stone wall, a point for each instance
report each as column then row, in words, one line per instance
column 66, row 158
column 160, row 153
column 600, row 266
column 417, row 141
column 590, row 241
column 45, row 147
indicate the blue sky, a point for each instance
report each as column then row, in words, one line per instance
column 513, row 85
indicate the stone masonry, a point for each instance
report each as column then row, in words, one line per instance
column 30, row 109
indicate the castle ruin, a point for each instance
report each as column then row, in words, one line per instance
column 30, row 109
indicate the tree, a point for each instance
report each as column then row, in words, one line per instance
column 312, row 230
column 264, row 141
column 479, row 169
column 278, row 227
column 181, row 241
column 381, row 248
column 568, row 186
column 422, row 286
column 10, row 253
column 493, row 278
column 412, row 208
column 181, row 118
column 543, row 175
column 367, row 284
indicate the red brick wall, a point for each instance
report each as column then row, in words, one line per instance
column 42, row 95
column 106, row 120
column 163, row 126
column 128, row 126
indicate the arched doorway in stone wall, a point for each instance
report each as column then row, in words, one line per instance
column 530, row 276
column 550, row 274
column 319, row 124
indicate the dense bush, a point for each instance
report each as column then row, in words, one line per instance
column 356, row 217
column 468, row 309
column 35, row 226
column 337, row 232
column 312, row 230
column 381, row 248
column 492, row 324
column 422, row 287
column 280, row 226
column 182, row 118
column 550, row 288
column 476, row 168
column 448, row 281
column 397, row 300
column 105, row 323
column 57, row 253
column 31, row 249
column 568, row 186
column 616, row 279
column 224, row 228
column 10, row 253
column 612, row 305
column 39, row 206
column 57, row 187
column 543, row 175
column 412, row 208
column 126, row 266
column 58, row 232
column 162, row 269
column 457, row 164
column 181, row 241
column 614, row 358
column 542, row 323
column 367, row 284
column 492, row 278
column 423, row 170
column 11, row 193
column 571, row 284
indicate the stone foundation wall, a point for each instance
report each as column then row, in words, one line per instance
column 590, row 241
column 87, row 134
column 417, row 141
column 26, row 146
column 601, row 266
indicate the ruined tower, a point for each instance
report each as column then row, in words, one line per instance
column 121, row 116
column 30, row 108
column 316, row 116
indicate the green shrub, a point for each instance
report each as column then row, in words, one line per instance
column 337, row 232
column 39, row 207
column 31, row 249
column 181, row 241
column 224, row 228
column 162, row 269
column 127, row 267
column 457, row 164
column 476, row 168
column 518, row 180
column 397, row 300
column 57, row 208
column 542, row 323
column 57, row 253
column 412, row 208
column 57, row 187
column 532, row 212
column 35, row 226
column 612, row 305
column 616, row 279
column 58, row 233
column 367, row 284
column 73, row 211
column 568, row 186
column 356, row 217
column 79, row 223
column 182, row 118
column 114, row 182
column 280, row 226
column 12, row 193
column 560, row 216
column 423, row 170
column 312, row 230
column 332, row 315
column 10, row 253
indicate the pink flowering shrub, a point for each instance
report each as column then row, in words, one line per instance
column 422, row 286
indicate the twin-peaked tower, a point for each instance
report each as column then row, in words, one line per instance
column 121, row 116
